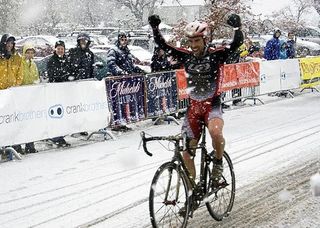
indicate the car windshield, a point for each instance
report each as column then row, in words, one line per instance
column 101, row 55
column 140, row 53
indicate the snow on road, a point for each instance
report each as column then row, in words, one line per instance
column 275, row 149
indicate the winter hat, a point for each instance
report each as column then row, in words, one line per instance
column 277, row 30
column 83, row 36
column 59, row 43
column 122, row 35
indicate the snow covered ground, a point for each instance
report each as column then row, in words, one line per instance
column 275, row 149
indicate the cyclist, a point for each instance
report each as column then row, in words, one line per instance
column 202, row 64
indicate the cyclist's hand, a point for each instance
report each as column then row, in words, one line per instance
column 234, row 21
column 154, row 20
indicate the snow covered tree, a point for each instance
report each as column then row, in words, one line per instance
column 219, row 10
column 291, row 17
column 8, row 14
column 139, row 7
column 317, row 6
column 216, row 17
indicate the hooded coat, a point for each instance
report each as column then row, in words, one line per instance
column 81, row 60
column 29, row 68
column 272, row 49
column 11, row 73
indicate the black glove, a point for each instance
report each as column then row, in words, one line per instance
column 234, row 21
column 154, row 20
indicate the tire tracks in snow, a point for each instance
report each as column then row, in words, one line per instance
column 124, row 172
column 260, row 202
column 261, row 132
column 245, row 157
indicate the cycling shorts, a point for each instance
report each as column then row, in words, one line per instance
column 200, row 112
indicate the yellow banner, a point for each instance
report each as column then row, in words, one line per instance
column 310, row 71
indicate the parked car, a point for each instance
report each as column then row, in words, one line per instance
column 309, row 33
column 96, row 40
column 143, row 39
column 100, row 65
column 142, row 57
column 44, row 45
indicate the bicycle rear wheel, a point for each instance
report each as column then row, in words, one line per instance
column 168, row 196
column 219, row 198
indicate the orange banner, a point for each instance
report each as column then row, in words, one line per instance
column 182, row 84
column 239, row 75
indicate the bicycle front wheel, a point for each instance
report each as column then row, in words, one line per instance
column 168, row 199
column 219, row 199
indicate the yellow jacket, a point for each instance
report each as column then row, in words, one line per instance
column 243, row 51
column 29, row 68
column 10, row 71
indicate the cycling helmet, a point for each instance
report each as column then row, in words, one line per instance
column 196, row 29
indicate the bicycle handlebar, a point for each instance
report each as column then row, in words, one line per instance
column 155, row 138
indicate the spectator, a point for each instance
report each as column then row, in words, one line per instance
column 30, row 76
column 283, row 50
column 291, row 49
column 120, row 60
column 159, row 61
column 81, row 59
column 248, row 49
column 10, row 63
column 58, row 65
column 10, row 67
column 29, row 68
column 234, row 58
column 272, row 50
column 58, row 69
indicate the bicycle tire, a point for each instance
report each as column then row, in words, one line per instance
column 177, row 197
column 225, row 193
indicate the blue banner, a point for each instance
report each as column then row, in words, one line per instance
column 161, row 94
column 126, row 97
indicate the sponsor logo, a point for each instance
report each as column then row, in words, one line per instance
column 56, row 111
column 263, row 78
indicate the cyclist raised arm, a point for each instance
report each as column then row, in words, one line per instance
column 202, row 67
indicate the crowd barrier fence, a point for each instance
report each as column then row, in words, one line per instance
column 31, row 113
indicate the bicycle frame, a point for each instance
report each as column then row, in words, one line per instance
column 177, row 157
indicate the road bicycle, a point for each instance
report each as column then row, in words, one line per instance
column 173, row 190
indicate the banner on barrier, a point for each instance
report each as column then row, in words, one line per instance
column 182, row 84
column 126, row 97
column 239, row 75
column 37, row 112
column 290, row 74
column 310, row 71
column 270, row 76
column 161, row 94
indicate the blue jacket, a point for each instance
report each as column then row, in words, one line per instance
column 283, row 50
column 291, row 51
column 272, row 49
column 120, row 62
